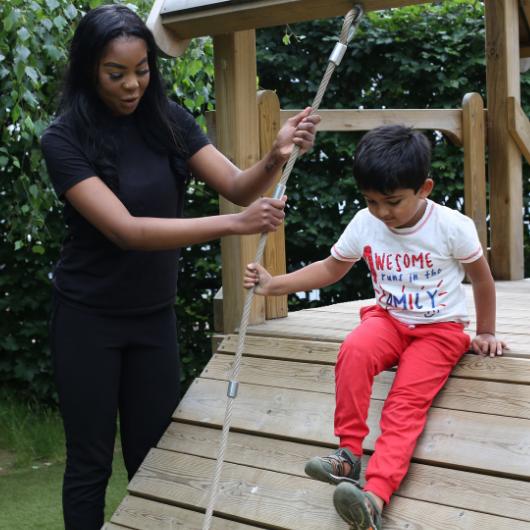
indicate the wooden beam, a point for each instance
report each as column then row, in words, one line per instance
column 475, row 164
column 504, row 163
column 525, row 16
column 274, row 258
column 237, row 138
column 519, row 127
column 264, row 13
column 524, row 52
column 447, row 121
column 168, row 43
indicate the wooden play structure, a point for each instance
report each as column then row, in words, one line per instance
column 471, row 468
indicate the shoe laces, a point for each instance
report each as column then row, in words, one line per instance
column 338, row 462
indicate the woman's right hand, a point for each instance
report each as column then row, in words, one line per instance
column 257, row 277
column 263, row 215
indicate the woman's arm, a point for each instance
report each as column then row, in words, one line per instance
column 102, row 208
column 243, row 186
column 314, row 276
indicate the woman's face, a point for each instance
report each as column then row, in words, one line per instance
column 123, row 74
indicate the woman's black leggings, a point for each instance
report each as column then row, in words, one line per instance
column 106, row 364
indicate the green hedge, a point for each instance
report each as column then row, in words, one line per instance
column 427, row 56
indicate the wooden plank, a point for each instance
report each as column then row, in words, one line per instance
column 524, row 17
column 502, row 369
column 166, row 40
column 524, row 35
column 461, row 439
column 336, row 326
column 346, row 321
column 430, row 516
column 248, row 494
column 283, row 501
column 265, row 13
column 519, row 127
column 504, row 159
column 473, row 131
column 281, row 348
column 500, row 399
column 461, row 489
column 524, row 52
column 144, row 514
column 447, row 121
column 274, row 258
column 237, row 137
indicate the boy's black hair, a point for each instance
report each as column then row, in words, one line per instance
column 392, row 157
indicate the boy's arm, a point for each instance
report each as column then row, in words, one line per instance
column 485, row 342
column 314, row 276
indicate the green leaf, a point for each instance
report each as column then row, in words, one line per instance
column 38, row 249
column 15, row 113
column 52, row 4
column 22, row 53
column 19, row 70
column 23, row 34
column 59, row 22
column 32, row 73
column 47, row 23
column 34, row 191
column 11, row 19
column 53, row 52
column 28, row 122
column 71, row 11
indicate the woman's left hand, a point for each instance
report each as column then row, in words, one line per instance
column 299, row 130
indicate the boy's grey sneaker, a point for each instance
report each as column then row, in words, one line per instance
column 342, row 464
column 357, row 507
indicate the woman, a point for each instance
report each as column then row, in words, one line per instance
column 119, row 155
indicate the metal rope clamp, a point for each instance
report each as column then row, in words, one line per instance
column 340, row 48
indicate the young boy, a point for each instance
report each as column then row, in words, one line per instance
column 418, row 253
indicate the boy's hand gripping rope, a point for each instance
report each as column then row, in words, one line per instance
column 351, row 21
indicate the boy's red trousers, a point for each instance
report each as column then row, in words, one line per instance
column 425, row 355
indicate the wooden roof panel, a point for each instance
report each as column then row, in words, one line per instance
column 226, row 18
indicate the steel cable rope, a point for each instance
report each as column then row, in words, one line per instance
column 351, row 21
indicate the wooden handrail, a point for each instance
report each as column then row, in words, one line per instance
column 519, row 126
column 447, row 121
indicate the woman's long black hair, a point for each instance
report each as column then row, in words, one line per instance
column 79, row 98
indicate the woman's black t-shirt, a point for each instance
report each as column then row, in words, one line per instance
column 92, row 272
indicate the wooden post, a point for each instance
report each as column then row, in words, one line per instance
column 475, row 164
column 505, row 164
column 274, row 258
column 237, row 137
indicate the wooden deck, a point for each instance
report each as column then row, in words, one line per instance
column 471, row 468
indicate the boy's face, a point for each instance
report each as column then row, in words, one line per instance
column 401, row 208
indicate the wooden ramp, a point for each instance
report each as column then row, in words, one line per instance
column 471, row 468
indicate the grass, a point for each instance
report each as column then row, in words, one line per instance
column 31, row 468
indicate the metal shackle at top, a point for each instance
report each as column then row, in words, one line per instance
column 340, row 48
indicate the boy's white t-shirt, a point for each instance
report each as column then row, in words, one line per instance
column 417, row 271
